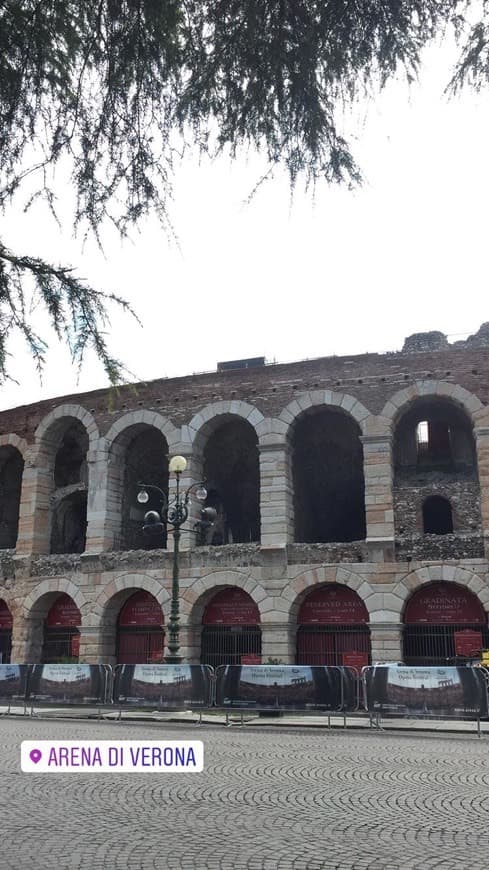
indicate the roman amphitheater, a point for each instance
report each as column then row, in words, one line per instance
column 352, row 501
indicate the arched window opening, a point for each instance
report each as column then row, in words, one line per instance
column 444, row 624
column 11, row 470
column 231, row 633
column 62, row 632
column 434, row 433
column 231, row 469
column 437, row 516
column 6, row 624
column 146, row 461
column 69, row 522
column 70, row 465
column 329, row 487
column 140, row 630
column 332, row 628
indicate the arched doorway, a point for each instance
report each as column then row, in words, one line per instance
column 62, row 632
column 443, row 623
column 6, row 623
column 231, row 633
column 140, row 630
column 332, row 628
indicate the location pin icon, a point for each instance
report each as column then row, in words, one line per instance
column 35, row 755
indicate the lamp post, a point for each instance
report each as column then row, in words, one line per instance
column 174, row 511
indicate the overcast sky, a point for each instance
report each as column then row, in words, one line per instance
column 335, row 273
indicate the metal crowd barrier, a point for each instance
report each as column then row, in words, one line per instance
column 400, row 691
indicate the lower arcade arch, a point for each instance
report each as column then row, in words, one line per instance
column 61, row 636
column 332, row 628
column 6, row 624
column 231, row 633
column 140, row 636
column 444, row 624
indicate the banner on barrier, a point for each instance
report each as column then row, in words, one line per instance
column 455, row 692
column 68, row 684
column 163, row 685
column 273, row 687
column 13, row 683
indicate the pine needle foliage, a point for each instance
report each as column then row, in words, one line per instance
column 115, row 89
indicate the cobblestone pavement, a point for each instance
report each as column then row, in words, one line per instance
column 269, row 799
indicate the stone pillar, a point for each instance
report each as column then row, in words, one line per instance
column 386, row 642
column 27, row 638
column 104, row 499
column 93, row 647
column 35, row 505
column 276, row 495
column 278, row 642
column 379, row 510
column 482, row 446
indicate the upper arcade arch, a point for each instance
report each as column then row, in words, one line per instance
column 397, row 403
column 209, row 418
column 315, row 398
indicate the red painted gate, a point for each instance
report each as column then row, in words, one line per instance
column 140, row 635
column 62, row 632
column 6, row 623
column 231, row 633
column 332, row 628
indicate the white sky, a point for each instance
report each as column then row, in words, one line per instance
column 337, row 273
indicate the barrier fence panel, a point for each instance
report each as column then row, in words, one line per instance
column 450, row 692
column 163, row 686
column 68, row 685
column 277, row 687
column 13, row 684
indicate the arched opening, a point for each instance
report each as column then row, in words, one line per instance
column 231, row 469
column 332, row 628
column 140, row 630
column 437, row 516
column 11, row 470
column 6, row 624
column 329, row 487
column 69, row 527
column 145, row 461
column 69, row 498
column 62, row 632
column 231, row 633
column 443, row 624
column 436, row 485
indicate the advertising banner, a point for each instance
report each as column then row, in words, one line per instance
column 276, row 687
column 163, row 686
column 13, row 683
column 68, row 684
column 458, row 693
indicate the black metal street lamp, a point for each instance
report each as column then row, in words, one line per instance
column 174, row 511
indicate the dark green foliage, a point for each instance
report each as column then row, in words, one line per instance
column 115, row 89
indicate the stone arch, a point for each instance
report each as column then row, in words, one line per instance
column 203, row 423
column 297, row 589
column 449, row 573
column 198, row 595
column 52, row 423
column 325, row 468
column 148, row 418
column 315, row 398
column 107, row 606
column 13, row 440
column 58, row 586
column 395, row 406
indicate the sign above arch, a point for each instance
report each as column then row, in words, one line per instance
column 444, row 604
column 141, row 609
column 333, row 605
column 231, row 606
column 63, row 614
column 6, row 621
